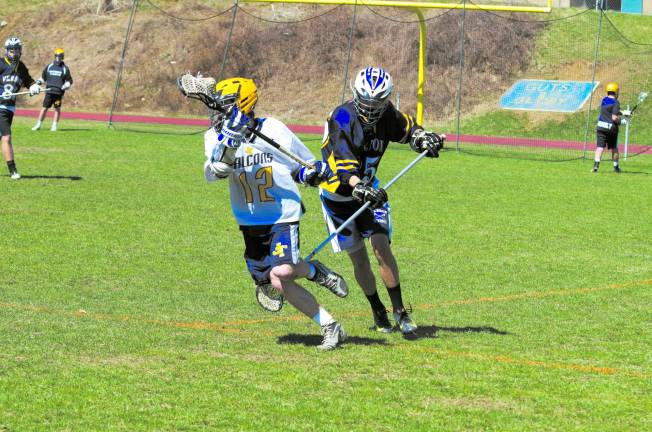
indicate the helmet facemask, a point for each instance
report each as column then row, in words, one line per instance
column 13, row 49
column 369, row 110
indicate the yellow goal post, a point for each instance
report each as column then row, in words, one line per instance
column 417, row 7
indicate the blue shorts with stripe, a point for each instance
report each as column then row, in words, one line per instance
column 369, row 222
column 268, row 246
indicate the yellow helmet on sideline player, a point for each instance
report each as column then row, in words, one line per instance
column 241, row 91
column 611, row 87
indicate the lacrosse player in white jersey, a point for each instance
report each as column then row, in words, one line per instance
column 266, row 202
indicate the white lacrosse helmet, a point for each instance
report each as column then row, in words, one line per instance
column 13, row 48
column 371, row 91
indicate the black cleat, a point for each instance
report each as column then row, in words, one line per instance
column 617, row 169
column 381, row 322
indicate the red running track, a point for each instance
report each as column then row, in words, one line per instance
column 319, row 130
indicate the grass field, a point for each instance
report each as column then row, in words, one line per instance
column 125, row 303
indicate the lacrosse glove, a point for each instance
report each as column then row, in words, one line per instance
column 363, row 192
column 234, row 130
column 34, row 89
column 422, row 141
column 314, row 176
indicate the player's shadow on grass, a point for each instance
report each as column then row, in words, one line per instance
column 75, row 129
column 431, row 331
column 54, row 177
column 315, row 340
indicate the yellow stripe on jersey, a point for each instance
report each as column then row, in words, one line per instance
column 409, row 123
column 325, row 143
column 347, row 167
column 332, row 183
column 347, row 162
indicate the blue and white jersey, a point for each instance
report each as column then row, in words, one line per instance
column 608, row 108
column 262, row 186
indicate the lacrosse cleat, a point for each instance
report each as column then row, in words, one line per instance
column 329, row 279
column 53, row 128
column 381, row 322
column 15, row 175
column 404, row 322
column 36, row 127
column 333, row 334
column 617, row 169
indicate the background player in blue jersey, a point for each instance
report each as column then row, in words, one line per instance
column 356, row 137
column 266, row 202
column 13, row 75
column 607, row 128
column 57, row 80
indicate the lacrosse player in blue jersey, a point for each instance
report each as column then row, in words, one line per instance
column 266, row 202
column 356, row 137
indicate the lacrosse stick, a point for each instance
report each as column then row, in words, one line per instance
column 641, row 98
column 200, row 88
column 8, row 95
column 364, row 207
column 269, row 298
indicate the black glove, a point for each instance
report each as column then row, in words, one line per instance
column 422, row 140
column 363, row 193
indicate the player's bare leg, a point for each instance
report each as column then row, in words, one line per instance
column 597, row 158
column 283, row 278
column 8, row 153
column 41, row 117
column 57, row 114
column 389, row 275
column 367, row 281
column 616, row 156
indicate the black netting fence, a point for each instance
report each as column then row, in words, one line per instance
column 303, row 57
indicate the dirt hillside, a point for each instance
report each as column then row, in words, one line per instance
column 297, row 55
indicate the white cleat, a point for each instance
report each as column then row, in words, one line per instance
column 333, row 334
column 53, row 128
column 15, row 175
column 37, row 127
column 330, row 280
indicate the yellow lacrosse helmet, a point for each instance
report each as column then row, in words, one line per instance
column 611, row 87
column 241, row 91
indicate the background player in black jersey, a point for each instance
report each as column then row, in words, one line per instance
column 356, row 137
column 57, row 79
column 607, row 129
column 13, row 75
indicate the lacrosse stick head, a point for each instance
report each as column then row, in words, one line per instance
column 642, row 96
column 269, row 298
column 199, row 88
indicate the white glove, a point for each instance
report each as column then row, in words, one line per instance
column 623, row 121
column 66, row 85
column 220, row 169
column 39, row 82
column 34, row 89
column 627, row 113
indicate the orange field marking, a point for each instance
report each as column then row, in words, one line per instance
column 227, row 326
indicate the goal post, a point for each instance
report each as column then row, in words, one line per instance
column 417, row 7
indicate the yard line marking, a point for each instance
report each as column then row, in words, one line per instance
column 428, row 306
column 601, row 370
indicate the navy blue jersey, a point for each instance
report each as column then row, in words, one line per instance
column 610, row 106
column 54, row 76
column 350, row 149
column 13, row 76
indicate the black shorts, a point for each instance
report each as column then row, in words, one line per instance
column 6, row 117
column 52, row 100
column 369, row 222
column 607, row 139
column 268, row 246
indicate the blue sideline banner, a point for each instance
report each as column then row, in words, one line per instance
column 547, row 95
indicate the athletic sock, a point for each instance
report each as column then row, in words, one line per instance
column 322, row 317
column 11, row 165
column 396, row 297
column 312, row 272
column 375, row 302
